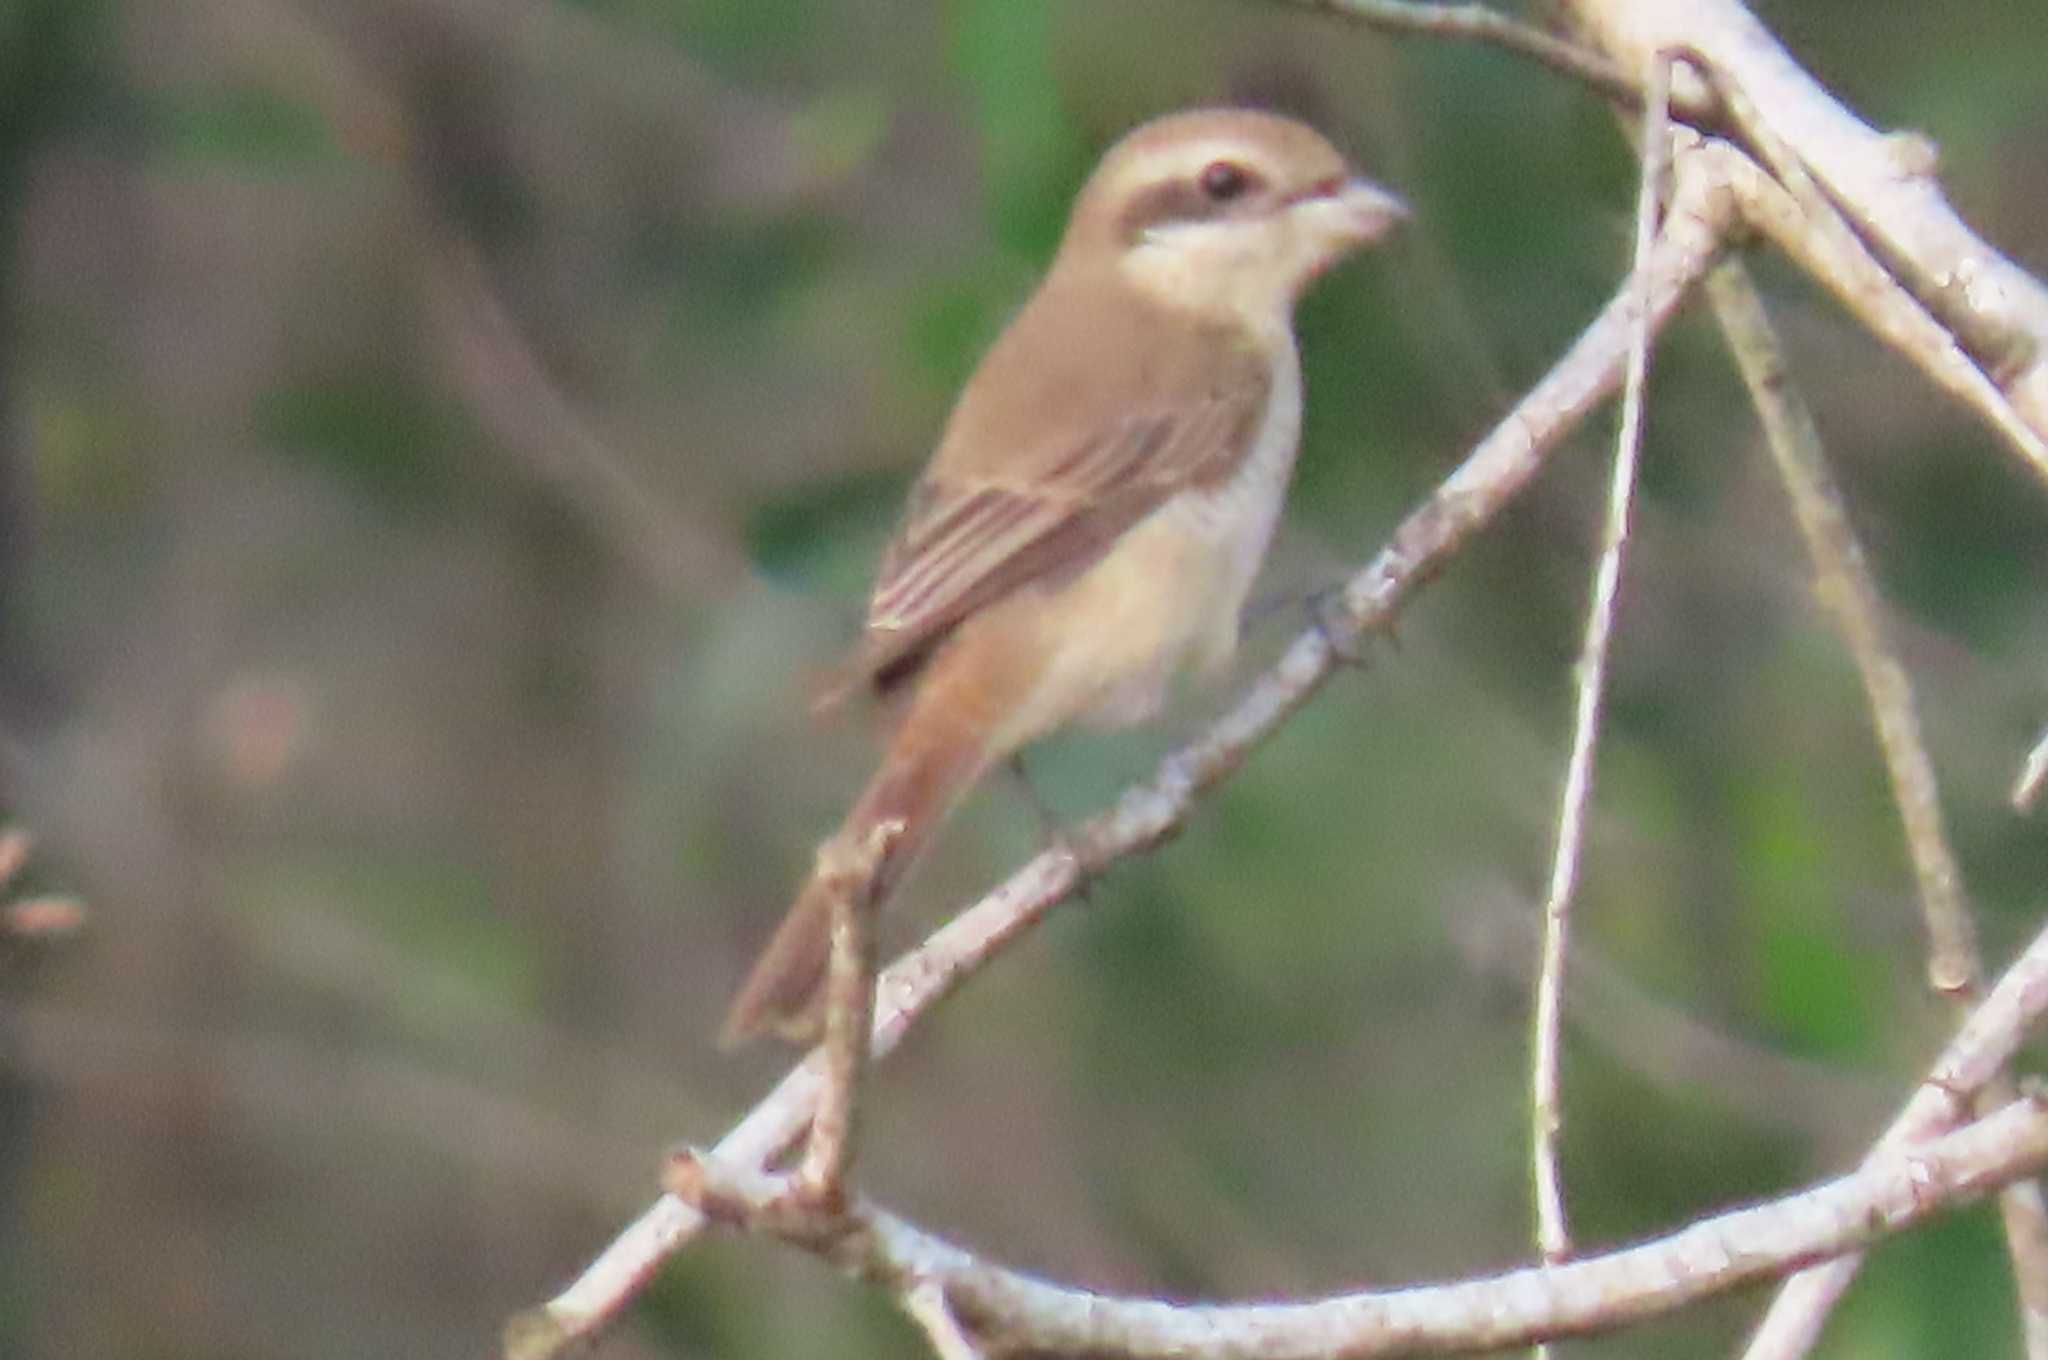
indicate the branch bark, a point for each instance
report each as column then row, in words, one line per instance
column 1013, row 1313
column 1884, row 183
column 1845, row 588
column 1553, row 1230
column 1924, row 1163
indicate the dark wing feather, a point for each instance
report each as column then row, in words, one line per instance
column 968, row 541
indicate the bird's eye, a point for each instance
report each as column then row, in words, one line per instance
column 1224, row 180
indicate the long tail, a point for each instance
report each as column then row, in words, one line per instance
column 941, row 748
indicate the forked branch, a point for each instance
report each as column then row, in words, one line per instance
column 1927, row 1162
column 1861, row 212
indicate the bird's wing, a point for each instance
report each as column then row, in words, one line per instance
column 980, row 527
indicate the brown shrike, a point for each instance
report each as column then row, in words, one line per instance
column 1102, row 495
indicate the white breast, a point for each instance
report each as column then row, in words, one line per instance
column 1242, row 514
column 1177, row 585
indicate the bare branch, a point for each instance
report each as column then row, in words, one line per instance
column 1971, row 314
column 1918, row 1167
column 2027, row 789
column 15, row 847
column 927, row 1306
column 47, row 917
column 1844, row 586
column 850, row 871
column 1014, row 1312
column 1884, row 183
column 1478, row 23
column 1553, row 1233
column 1146, row 814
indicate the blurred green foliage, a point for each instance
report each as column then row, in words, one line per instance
column 250, row 129
column 371, row 429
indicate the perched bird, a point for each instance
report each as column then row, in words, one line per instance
column 1103, row 493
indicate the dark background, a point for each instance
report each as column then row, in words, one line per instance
column 443, row 441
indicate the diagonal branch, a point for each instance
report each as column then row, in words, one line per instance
column 1480, row 23
column 1792, row 210
column 1970, row 290
column 1553, row 1233
column 1147, row 814
column 1845, row 588
column 2033, row 774
column 851, row 870
column 1843, row 585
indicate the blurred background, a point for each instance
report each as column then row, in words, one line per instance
column 444, row 440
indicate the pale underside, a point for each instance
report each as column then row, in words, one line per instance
column 1166, row 438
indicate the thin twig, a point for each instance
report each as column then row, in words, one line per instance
column 1843, row 584
column 1813, row 231
column 1885, row 182
column 1845, row 587
column 1479, row 23
column 926, row 1304
column 1918, row 1166
column 1146, row 814
column 41, row 917
column 1553, row 1233
column 2033, row 774
column 849, row 1006
column 674, row 545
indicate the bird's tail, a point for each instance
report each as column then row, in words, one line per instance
column 940, row 749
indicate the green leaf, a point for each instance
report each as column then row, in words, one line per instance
column 828, row 534
column 372, row 429
column 245, row 126
column 1033, row 156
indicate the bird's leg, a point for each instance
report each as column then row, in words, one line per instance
column 1324, row 615
column 1048, row 821
column 1051, row 833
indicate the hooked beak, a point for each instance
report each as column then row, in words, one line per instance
column 1363, row 211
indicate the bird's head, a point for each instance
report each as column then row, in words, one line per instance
column 1225, row 211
